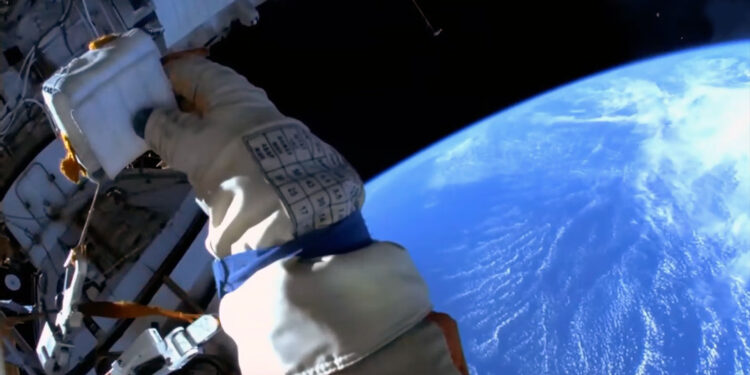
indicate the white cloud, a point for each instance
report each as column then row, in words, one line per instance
column 695, row 122
column 696, row 125
column 464, row 163
column 705, row 133
column 698, row 143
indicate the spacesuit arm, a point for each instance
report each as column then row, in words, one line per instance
column 265, row 181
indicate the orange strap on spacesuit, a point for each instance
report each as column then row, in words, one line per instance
column 69, row 166
column 450, row 331
column 125, row 310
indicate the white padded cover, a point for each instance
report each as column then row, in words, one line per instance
column 92, row 100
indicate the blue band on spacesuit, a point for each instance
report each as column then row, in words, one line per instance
column 341, row 237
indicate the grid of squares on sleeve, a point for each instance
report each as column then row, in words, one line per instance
column 315, row 183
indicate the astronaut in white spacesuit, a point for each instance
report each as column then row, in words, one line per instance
column 304, row 289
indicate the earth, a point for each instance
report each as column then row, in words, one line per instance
column 600, row 228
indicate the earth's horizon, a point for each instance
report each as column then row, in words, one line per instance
column 602, row 227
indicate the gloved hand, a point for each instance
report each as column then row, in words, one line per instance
column 225, row 147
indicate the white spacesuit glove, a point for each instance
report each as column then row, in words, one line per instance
column 208, row 146
column 265, row 180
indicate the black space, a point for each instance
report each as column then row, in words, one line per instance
column 369, row 78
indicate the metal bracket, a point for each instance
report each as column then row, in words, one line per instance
column 54, row 355
column 150, row 353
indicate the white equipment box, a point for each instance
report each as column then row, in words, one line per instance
column 93, row 99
